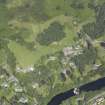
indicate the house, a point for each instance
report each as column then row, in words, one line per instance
column 18, row 89
column 13, row 79
column 96, row 66
column 72, row 65
column 35, row 85
column 68, row 51
column 23, row 100
column 2, row 76
column 25, row 70
column 52, row 58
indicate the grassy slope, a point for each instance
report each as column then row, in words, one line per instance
column 55, row 15
column 26, row 57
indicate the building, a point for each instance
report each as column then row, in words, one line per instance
column 68, row 51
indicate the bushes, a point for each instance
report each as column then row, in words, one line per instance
column 53, row 33
column 11, row 60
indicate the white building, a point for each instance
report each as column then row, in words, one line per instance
column 25, row 70
column 23, row 100
column 68, row 51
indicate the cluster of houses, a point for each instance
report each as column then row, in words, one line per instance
column 16, row 87
column 99, row 100
column 68, row 51
column 11, row 79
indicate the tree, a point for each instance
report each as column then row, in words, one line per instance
column 53, row 33
column 39, row 10
column 100, row 21
column 89, row 29
column 77, row 4
column 96, row 29
column 88, row 57
column 11, row 59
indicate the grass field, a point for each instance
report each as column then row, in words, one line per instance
column 26, row 57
